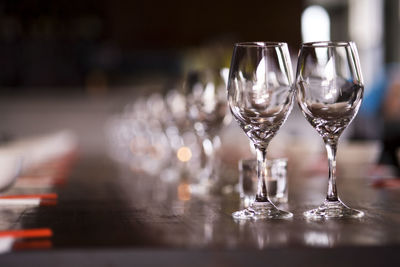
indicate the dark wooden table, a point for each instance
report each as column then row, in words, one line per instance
column 109, row 216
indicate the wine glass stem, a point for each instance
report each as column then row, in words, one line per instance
column 210, row 147
column 262, row 195
column 331, row 148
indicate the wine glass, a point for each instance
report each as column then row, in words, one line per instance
column 330, row 91
column 260, row 96
column 205, row 92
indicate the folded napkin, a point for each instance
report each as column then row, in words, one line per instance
column 30, row 200
column 25, row 239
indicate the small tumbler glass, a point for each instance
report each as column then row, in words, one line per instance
column 276, row 180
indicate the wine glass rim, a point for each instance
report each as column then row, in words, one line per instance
column 327, row 44
column 260, row 44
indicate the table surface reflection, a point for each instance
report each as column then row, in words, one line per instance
column 112, row 215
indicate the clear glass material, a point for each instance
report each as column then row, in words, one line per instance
column 276, row 181
column 260, row 96
column 329, row 92
column 205, row 91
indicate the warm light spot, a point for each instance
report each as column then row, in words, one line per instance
column 184, row 154
column 184, row 192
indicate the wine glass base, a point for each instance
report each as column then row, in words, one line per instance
column 261, row 210
column 332, row 210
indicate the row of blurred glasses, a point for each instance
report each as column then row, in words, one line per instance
column 175, row 136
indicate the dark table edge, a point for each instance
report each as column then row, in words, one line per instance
column 342, row 256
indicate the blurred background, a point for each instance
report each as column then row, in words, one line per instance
column 86, row 44
column 75, row 64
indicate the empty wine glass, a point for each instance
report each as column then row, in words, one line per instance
column 260, row 96
column 205, row 92
column 330, row 90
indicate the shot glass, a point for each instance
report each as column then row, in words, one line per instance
column 277, row 185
